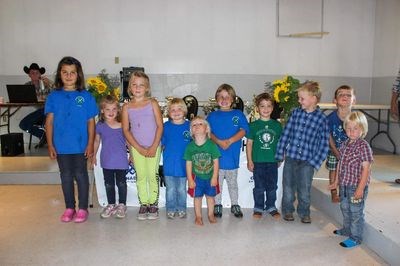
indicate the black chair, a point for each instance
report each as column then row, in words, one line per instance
column 238, row 104
column 192, row 106
column 276, row 113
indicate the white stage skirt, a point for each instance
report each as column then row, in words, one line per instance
column 245, row 183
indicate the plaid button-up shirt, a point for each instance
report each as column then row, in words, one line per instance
column 352, row 155
column 305, row 137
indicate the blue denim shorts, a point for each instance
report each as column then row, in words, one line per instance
column 203, row 187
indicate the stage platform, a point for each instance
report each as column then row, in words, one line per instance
column 382, row 231
column 382, row 215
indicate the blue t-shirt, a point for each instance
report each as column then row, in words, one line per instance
column 336, row 129
column 175, row 138
column 225, row 124
column 72, row 110
column 113, row 154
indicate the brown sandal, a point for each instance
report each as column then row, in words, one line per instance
column 397, row 180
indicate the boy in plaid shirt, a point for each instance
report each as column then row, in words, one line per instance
column 304, row 145
column 353, row 176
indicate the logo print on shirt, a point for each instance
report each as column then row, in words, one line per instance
column 79, row 100
column 235, row 120
column 186, row 135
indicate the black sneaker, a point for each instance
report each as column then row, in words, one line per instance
column 218, row 210
column 235, row 209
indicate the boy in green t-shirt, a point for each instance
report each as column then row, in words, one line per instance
column 202, row 165
column 260, row 151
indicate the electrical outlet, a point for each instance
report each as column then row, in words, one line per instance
column 116, row 60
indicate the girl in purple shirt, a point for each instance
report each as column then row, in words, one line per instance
column 142, row 125
column 113, row 156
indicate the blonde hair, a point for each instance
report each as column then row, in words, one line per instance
column 229, row 89
column 312, row 87
column 179, row 102
column 139, row 74
column 360, row 119
column 208, row 128
column 109, row 99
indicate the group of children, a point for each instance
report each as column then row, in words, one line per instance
column 204, row 152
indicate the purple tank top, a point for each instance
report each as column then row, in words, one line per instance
column 143, row 124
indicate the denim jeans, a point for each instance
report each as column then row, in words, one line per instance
column 175, row 193
column 264, row 192
column 32, row 123
column 353, row 213
column 297, row 177
column 112, row 178
column 73, row 166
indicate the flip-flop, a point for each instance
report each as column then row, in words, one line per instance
column 397, row 180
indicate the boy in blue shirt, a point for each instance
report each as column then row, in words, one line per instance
column 304, row 145
column 228, row 127
column 344, row 99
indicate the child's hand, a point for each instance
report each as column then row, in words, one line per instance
column 191, row 184
column 142, row 151
column 332, row 186
column 52, row 152
column 224, row 144
column 151, row 152
column 89, row 152
column 214, row 182
column 250, row 166
column 358, row 194
column 94, row 161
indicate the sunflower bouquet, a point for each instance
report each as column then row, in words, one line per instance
column 103, row 85
column 284, row 92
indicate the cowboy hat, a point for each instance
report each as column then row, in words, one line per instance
column 35, row 67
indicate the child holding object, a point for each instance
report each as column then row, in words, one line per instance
column 353, row 177
column 201, row 157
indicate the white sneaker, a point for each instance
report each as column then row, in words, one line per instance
column 182, row 214
column 170, row 215
column 142, row 215
column 120, row 211
column 153, row 212
column 108, row 211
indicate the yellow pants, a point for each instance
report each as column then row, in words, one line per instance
column 147, row 179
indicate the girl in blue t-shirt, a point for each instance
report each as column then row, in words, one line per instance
column 70, row 112
column 113, row 156
column 175, row 138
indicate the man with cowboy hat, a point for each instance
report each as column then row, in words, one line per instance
column 33, row 122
